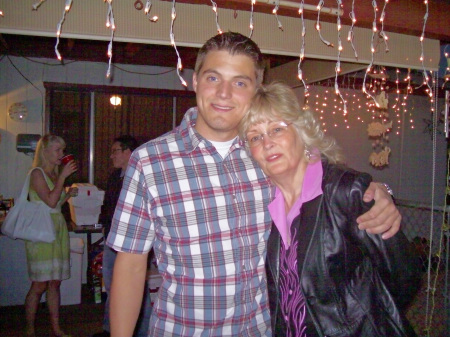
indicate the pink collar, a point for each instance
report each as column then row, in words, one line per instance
column 312, row 187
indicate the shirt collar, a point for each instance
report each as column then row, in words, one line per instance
column 312, row 187
column 192, row 139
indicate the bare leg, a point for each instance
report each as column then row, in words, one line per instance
column 31, row 304
column 53, row 302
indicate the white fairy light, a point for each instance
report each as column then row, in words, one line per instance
column 372, row 50
column 318, row 25
column 447, row 69
column 110, row 25
column 172, row 42
column 422, row 59
column 214, row 8
column 382, row 32
column 338, row 63
column 275, row 11
column 302, row 50
column 251, row 19
column 37, row 5
column 148, row 6
column 350, row 36
column 67, row 6
column 147, row 9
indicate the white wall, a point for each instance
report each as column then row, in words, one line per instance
column 15, row 88
column 411, row 161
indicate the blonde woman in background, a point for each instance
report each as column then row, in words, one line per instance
column 48, row 263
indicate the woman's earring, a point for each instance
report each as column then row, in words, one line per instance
column 307, row 154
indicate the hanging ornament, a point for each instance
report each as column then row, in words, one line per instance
column 381, row 101
column 379, row 129
column 381, row 158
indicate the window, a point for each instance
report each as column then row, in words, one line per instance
column 144, row 114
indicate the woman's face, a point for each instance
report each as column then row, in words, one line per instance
column 54, row 152
column 277, row 148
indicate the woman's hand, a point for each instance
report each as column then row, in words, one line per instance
column 72, row 191
column 68, row 169
column 384, row 216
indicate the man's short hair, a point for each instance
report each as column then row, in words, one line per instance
column 235, row 44
column 127, row 142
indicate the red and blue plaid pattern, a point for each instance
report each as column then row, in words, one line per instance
column 207, row 219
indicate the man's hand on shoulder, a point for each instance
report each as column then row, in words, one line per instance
column 384, row 216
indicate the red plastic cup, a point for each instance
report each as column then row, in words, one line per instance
column 67, row 158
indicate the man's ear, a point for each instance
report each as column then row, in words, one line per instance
column 194, row 81
column 128, row 152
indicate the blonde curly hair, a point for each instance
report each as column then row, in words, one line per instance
column 276, row 101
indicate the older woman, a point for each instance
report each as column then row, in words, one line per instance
column 48, row 263
column 326, row 277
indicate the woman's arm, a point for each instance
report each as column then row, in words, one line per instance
column 39, row 184
column 395, row 259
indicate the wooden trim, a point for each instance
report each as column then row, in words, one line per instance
column 55, row 86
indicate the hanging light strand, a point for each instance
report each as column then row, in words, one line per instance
column 67, row 7
column 405, row 96
column 110, row 24
column 302, row 50
column 396, row 106
column 382, row 32
column 147, row 9
column 351, row 34
column 148, row 6
column 426, row 79
column 214, row 8
column 338, row 63
column 372, row 50
column 319, row 26
column 38, row 4
column 251, row 19
column 275, row 11
column 447, row 68
column 172, row 42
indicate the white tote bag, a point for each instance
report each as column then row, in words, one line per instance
column 28, row 220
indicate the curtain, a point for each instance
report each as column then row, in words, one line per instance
column 144, row 114
column 69, row 119
column 143, row 117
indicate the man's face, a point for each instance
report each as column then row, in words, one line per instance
column 119, row 157
column 224, row 86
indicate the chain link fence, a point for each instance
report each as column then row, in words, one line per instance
column 427, row 229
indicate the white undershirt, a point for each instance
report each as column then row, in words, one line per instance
column 223, row 147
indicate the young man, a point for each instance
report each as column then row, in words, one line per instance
column 196, row 197
column 121, row 150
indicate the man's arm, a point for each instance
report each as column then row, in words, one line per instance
column 384, row 216
column 126, row 292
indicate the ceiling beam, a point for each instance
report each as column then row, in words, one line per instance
column 402, row 16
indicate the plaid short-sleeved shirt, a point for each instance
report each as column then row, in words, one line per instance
column 207, row 219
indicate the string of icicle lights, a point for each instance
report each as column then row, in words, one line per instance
column 319, row 8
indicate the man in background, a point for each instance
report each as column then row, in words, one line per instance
column 121, row 150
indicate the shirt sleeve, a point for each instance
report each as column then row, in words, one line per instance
column 132, row 230
column 395, row 259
